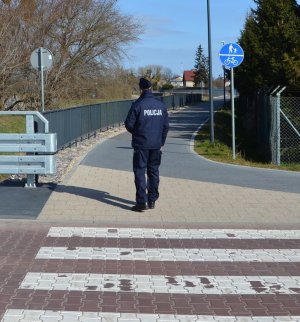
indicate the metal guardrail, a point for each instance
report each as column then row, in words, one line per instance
column 29, row 165
column 39, row 148
column 31, row 116
column 39, row 142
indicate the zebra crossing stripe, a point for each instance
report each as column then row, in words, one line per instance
column 170, row 254
column 163, row 284
column 172, row 233
column 237, row 292
column 13, row 315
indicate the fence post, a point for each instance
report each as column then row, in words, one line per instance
column 278, row 134
column 31, row 178
column 270, row 93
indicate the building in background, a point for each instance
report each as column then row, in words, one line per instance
column 177, row 81
column 188, row 78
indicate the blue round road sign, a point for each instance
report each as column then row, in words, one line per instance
column 231, row 55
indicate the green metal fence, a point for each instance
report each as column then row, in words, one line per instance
column 74, row 124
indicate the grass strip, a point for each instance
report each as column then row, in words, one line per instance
column 11, row 124
column 221, row 150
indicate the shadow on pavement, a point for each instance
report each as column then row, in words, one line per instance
column 98, row 195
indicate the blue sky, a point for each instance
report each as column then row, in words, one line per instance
column 173, row 30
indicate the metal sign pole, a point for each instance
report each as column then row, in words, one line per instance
column 231, row 56
column 42, row 80
column 232, row 113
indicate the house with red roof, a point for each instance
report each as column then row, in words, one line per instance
column 188, row 78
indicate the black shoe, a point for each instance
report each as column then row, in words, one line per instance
column 151, row 204
column 139, row 207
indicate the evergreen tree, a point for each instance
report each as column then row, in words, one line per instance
column 271, row 41
column 201, row 68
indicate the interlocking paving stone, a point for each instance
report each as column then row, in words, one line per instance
column 266, row 259
column 167, row 254
column 209, row 304
column 172, row 243
column 112, row 232
column 165, row 267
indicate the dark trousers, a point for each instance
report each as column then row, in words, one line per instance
column 146, row 160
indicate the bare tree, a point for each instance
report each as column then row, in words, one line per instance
column 85, row 36
column 157, row 74
column 151, row 72
column 167, row 74
column 12, row 57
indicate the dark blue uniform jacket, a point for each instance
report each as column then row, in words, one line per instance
column 148, row 122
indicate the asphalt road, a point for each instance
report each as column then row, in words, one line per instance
column 179, row 161
column 18, row 202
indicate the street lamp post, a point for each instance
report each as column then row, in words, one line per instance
column 212, row 135
column 224, row 85
column 224, row 82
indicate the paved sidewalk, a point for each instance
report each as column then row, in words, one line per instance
column 193, row 190
column 107, row 196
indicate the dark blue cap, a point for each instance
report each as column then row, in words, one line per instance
column 144, row 83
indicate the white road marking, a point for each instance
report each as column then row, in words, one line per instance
column 163, row 284
column 170, row 254
column 186, row 284
column 172, row 233
column 14, row 315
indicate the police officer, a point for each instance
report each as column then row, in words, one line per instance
column 148, row 122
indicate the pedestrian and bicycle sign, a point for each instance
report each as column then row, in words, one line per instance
column 231, row 55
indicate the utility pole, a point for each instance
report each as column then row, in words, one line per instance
column 212, row 134
column 224, row 81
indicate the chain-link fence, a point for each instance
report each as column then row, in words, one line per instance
column 290, row 129
column 280, row 124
